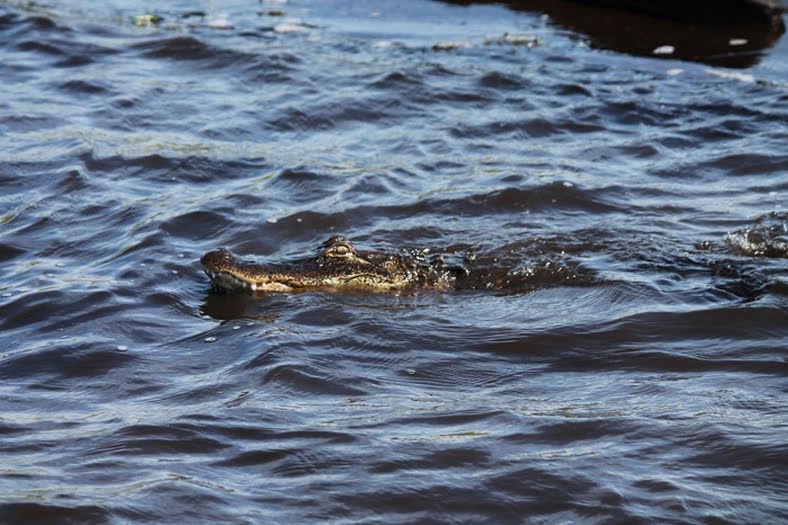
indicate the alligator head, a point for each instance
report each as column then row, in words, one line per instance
column 338, row 265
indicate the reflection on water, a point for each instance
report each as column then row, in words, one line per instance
column 729, row 34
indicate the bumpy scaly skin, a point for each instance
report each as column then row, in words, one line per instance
column 338, row 266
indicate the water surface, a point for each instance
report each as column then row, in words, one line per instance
column 635, row 371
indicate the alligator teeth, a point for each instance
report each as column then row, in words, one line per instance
column 226, row 281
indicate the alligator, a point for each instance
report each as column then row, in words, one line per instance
column 338, row 265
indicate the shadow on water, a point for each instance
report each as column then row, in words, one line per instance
column 730, row 34
column 225, row 307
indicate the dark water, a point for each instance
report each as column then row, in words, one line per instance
column 634, row 372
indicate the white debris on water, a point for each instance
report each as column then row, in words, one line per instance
column 743, row 77
column 664, row 50
column 220, row 22
column 451, row 45
column 528, row 41
column 291, row 27
column 522, row 40
column 147, row 20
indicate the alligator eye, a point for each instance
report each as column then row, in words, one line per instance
column 340, row 250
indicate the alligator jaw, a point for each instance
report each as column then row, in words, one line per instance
column 227, row 273
column 230, row 282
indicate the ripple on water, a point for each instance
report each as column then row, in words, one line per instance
column 43, row 513
column 630, row 368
